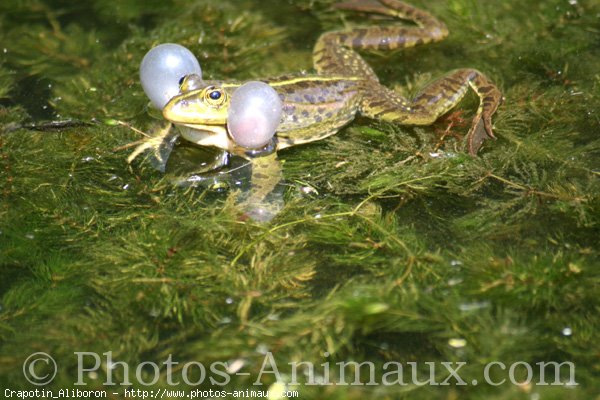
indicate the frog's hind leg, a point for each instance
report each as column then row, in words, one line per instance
column 334, row 51
column 435, row 29
column 435, row 100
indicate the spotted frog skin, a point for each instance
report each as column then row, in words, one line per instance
column 317, row 106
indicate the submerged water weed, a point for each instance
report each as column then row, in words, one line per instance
column 393, row 245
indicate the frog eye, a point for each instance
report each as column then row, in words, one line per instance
column 215, row 96
column 190, row 82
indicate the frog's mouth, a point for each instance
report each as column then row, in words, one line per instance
column 198, row 121
column 190, row 109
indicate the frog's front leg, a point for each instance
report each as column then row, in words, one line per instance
column 263, row 201
column 160, row 145
column 435, row 100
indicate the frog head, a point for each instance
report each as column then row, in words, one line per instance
column 199, row 103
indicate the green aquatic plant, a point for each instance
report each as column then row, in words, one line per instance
column 393, row 245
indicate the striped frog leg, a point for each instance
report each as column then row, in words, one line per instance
column 435, row 100
column 379, row 102
column 333, row 53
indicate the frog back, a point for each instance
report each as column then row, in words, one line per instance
column 314, row 107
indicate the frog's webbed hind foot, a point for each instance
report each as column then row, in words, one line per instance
column 435, row 100
column 159, row 146
column 490, row 98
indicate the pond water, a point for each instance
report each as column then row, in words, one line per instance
column 396, row 265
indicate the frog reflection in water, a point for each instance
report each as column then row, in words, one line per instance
column 317, row 106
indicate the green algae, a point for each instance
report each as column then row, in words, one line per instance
column 393, row 245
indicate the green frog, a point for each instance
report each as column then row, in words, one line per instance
column 317, row 106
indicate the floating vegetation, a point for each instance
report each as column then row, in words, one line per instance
column 393, row 245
